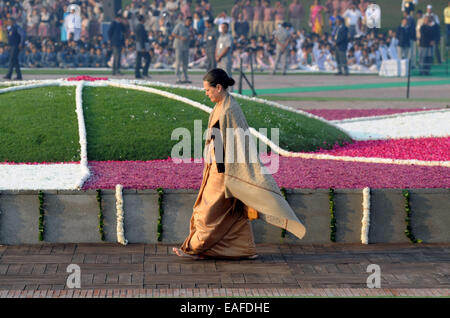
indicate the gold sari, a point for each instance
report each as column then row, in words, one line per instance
column 219, row 226
column 232, row 192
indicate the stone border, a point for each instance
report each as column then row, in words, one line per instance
column 71, row 216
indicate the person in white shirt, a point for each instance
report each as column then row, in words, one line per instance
column 373, row 17
column 72, row 23
column 353, row 17
column 222, row 18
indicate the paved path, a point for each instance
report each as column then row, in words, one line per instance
column 148, row 266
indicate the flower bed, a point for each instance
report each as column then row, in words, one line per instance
column 339, row 114
column 292, row 173
column 428, row 149
column 400, row 163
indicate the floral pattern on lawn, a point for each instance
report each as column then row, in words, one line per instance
column 428, row 149
column 340, row 114
column 292, row 173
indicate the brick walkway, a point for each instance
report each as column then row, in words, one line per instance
column 152, row 271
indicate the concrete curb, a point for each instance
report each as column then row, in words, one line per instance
column 72, row 216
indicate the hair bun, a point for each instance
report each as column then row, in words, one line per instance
column 231, row 81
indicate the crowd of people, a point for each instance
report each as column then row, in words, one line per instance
column 260, row 34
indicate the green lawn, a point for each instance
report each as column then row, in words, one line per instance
column 297, row 132
column 39, row 125
column 131, row 125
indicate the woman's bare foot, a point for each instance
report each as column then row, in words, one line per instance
column 180, row 253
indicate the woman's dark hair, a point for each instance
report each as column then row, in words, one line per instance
column 218, row 76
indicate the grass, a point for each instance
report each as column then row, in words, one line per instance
column 39, row 125
column 297, row 132
column 131, row 125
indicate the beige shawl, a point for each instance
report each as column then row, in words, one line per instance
column 244, row 180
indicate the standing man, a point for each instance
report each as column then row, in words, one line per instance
column 436, row 26
column 247, row 10
column 258, row 16
column 269, row 16
column 142, row 48
column 224, row 49
column 14, row 42
column 372, row 18
column 341, row 39
column 353, row 15
column 447, row 23
column 412, row 38
column 116, row 35
column 72, row 23
column 403, row 36
column 211, row 37
column 295, row 14
column 182, row 37
column 282, row 39
column 426, row 46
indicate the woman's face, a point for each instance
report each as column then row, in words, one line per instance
column 213, row 93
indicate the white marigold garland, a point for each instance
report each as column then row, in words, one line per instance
column 366, row 216
column 119, row 220
column 82, row 133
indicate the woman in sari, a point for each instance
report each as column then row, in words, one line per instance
column 315, row 18
column 232, row 191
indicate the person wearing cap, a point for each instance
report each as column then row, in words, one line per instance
column 72, row 23
column 447, row 23
column 14, row 42
column 182, row 36
column 372, row 18
column 116, row 35
column 341, row 40
column 282, row 38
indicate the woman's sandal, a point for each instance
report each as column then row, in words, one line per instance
column 180, row 253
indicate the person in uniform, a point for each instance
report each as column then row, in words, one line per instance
column 282, row 39
column 182, row 37
column 72, row 23
column 142, row 49
column 224, row 49
column 235, row 186
column 14, row 42
column 211, row 36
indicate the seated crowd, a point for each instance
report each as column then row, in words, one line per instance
column 47, row 44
